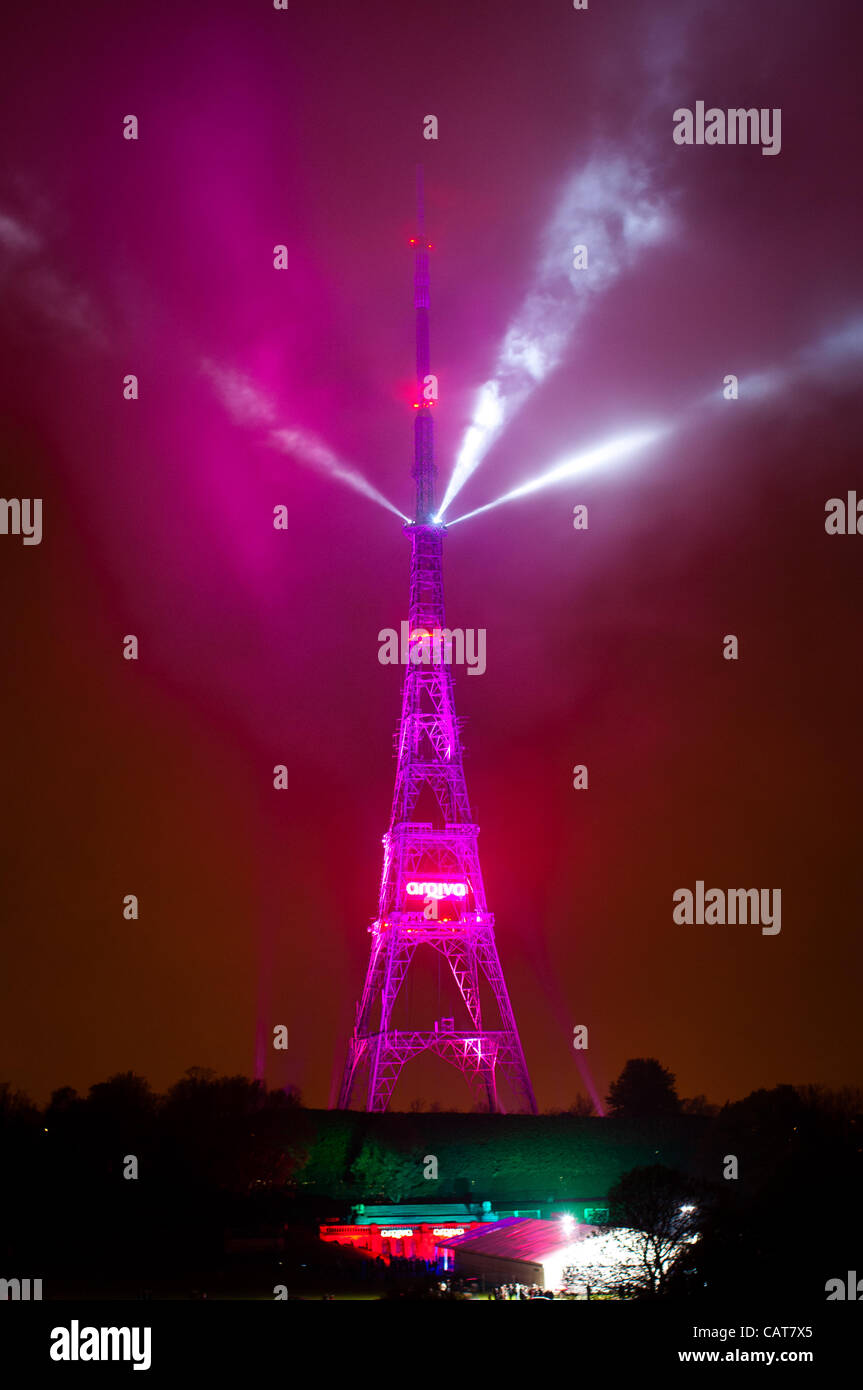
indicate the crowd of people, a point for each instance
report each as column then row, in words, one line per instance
column 510, row 1292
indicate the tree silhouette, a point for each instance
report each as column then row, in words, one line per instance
column 582, row 1106
column 643, row 1090
column 385, row 1172
column 658, row 1211
column 226, row 1131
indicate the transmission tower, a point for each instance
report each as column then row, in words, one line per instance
column 431, row 892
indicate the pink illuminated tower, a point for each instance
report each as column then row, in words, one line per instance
column 431, row 893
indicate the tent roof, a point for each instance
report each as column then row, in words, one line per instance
column 520, row 1238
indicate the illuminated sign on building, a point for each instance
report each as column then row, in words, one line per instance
column 422, row 1241
column 424, row 889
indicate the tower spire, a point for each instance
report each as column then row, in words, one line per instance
column 424, row 471
column 432, row 897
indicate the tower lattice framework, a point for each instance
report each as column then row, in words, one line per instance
column 431, row 891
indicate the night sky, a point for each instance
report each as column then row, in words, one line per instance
column 259, row 647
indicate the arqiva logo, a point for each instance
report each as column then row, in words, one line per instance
column 417, row 889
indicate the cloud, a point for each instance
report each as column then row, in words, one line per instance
column 40, row 288
column 244, row 402
column 16, row 238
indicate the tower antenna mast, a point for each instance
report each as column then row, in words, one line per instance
column 432, row 895
column 424, row 471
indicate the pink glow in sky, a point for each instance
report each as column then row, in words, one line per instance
column 258, row 647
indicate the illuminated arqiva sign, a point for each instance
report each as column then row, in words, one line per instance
column 448, row 1231
column 432, row 888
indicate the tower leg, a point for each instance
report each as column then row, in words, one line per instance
column 385, row 1061
column 515, row 1067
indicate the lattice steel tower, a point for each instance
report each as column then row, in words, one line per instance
column 431, row 890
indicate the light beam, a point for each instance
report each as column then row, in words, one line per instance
column 611, row 209
column 312, row 451
column 611, row 451
column 829, row 359
column 248, row 405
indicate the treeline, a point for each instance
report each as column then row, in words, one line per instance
column 232, row 1135
column 229, row 1134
